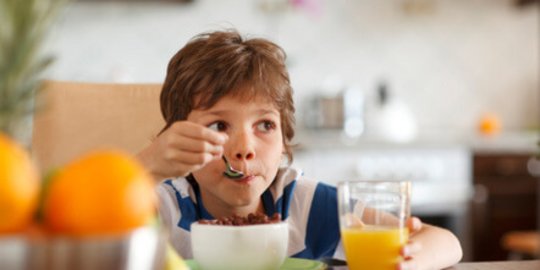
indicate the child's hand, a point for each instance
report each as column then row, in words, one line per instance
column 412, row 247
column 183, row 148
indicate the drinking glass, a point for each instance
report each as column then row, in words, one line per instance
column 373, row 218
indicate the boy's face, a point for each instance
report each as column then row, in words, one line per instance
column 255, row 147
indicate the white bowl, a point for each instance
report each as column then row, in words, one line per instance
column 250, row 247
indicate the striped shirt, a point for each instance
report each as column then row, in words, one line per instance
column 309, row 207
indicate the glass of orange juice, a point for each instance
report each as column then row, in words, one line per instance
column 372, row 220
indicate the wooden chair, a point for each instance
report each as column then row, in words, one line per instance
column 78, row 117
column 522, row 244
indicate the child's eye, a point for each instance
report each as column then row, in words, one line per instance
column 266, row 126
column 219, row 126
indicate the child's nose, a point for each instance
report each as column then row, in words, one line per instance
column 243, row 146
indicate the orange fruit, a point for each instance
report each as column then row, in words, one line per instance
column 103, row 192
column 489, row 125
column 19, row 187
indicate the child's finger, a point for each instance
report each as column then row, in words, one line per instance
column 414, row 224
column 199, row 132
column 216, row 156
column 196, row 146
column 407, row 265
column 193, row 159
column 410, row 249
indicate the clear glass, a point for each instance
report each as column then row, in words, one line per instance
column 373, row 218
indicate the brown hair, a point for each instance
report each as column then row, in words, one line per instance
column 213, row 65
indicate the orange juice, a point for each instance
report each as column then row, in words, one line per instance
column 373, row 247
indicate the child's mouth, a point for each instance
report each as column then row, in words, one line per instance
column 244, row 180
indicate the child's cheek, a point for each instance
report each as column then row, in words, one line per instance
column 214, row 167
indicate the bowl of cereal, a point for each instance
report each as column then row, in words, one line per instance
column 255, row 242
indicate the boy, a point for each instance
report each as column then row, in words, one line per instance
column 229, row 96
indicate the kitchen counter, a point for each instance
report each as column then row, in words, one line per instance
column 508, row 143
column 524, row 142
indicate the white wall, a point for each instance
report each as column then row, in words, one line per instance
column 450, row 61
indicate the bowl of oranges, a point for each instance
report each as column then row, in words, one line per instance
column 96, row 212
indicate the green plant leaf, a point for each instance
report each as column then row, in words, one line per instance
column 23, row 27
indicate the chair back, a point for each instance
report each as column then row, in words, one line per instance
column 74, row 118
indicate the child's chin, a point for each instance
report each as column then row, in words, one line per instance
column 245, row 198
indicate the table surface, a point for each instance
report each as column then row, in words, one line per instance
column 503, row 265
column 506, row 265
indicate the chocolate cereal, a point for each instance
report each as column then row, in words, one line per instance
column 251, row 219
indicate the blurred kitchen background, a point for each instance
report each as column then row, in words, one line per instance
column 445, row 93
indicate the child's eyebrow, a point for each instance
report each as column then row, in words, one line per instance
column 257, row 112
column 265, row 112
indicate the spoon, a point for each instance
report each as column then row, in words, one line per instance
column 230, row 172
